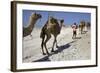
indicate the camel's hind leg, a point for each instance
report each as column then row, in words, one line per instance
column 47, row 39
column 42, row 45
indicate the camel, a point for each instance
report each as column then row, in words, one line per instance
column 88, row 25
column 51, row 27
column 33, row 18
column 82, row 26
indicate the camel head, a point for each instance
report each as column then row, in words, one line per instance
column 53, row 20
column 36, row 16
column 56, row 21
column 62, row 21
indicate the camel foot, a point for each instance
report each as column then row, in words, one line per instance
column 52, row 51
column 57, row 46
column 44, row 53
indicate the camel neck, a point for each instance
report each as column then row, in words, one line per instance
column 32, row 22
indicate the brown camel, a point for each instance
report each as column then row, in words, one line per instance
column 51, row 27
column 82, row 26
column 33, row 18
column 88, row 25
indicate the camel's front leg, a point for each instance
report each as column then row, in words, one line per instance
column 42, row 46
column 55, row 41
column 48, row 37
column 53, row 46
column 56, row 44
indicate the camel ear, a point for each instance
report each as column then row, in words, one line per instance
column 62, row 21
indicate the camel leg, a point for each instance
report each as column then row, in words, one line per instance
column 53, row 46
column 42, row 45
column 55, row 41
column 56, row 44
column 81, row 30
column 48, row 37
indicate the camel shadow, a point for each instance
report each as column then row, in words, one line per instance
column 59, row 50
column 46, row 58
column 63, row 47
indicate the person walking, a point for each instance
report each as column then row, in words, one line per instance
column 74, row 27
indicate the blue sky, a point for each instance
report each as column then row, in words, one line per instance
column 69, row 17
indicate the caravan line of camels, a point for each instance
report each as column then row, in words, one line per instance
column 51, row 27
